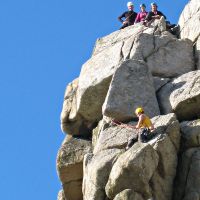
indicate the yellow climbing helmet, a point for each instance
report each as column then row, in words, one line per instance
column 139, row 110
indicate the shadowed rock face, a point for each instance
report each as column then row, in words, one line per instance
column 190, row 134
column 187, row 181
column 187, row 185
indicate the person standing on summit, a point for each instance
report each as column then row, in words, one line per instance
column 129, row 16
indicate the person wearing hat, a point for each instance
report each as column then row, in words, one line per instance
column 146, row 127
column 144, row 121
column 141, row 15
column 154, row 13
column 129, row 16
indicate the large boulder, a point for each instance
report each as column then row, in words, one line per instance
column 128, row 195
column 163, row 177
column 189, row 21
column 166, row 56
column 187, row 184
column 182, row 96
column 189, row 26
column 114, row 137
column 173, row 59
column 190, row 134
column 70, row 166
column 94, row 81
column 70, row 122
column 131, row 86
column 97, row 72
column 96, row 172
column 133, row 170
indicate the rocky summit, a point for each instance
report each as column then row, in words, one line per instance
column 133, row 67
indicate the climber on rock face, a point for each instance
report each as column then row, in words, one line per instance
column 144, row 125
column 141, row 15
column 129, row 16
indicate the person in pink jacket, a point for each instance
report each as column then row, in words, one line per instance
column 141, row 15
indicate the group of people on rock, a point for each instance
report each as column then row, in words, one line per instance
column 130, row 17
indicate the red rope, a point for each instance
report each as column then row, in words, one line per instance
column 118, row 123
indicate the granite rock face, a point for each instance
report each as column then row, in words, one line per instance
column 190, row 134
column 188, row 181
column 136, row 66
column 131, row 87
column 133, row 169
column 111, row 169
column 70, row 166
column 96, row 171
column 189, row 22
column 128, row 194
column 182, row 96
column 174, row 59
column 164, row 55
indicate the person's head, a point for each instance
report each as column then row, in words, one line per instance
column 139, row 111
column 154, row 6
column 130, row 5
column 143, row 7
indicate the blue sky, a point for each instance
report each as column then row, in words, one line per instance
column 42, row 47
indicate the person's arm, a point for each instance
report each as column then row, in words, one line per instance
column 152, row 127
column 140, row 121
column 121, row 16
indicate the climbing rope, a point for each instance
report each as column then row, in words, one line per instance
column 118, row 123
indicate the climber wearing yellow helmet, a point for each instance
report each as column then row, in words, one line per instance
column 144, row 121
column 146, row 126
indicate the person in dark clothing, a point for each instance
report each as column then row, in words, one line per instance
column 154, row 13
column 129, row 16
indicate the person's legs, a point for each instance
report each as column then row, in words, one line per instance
column 123, row 26
column 144, row 135
column 162, row 24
